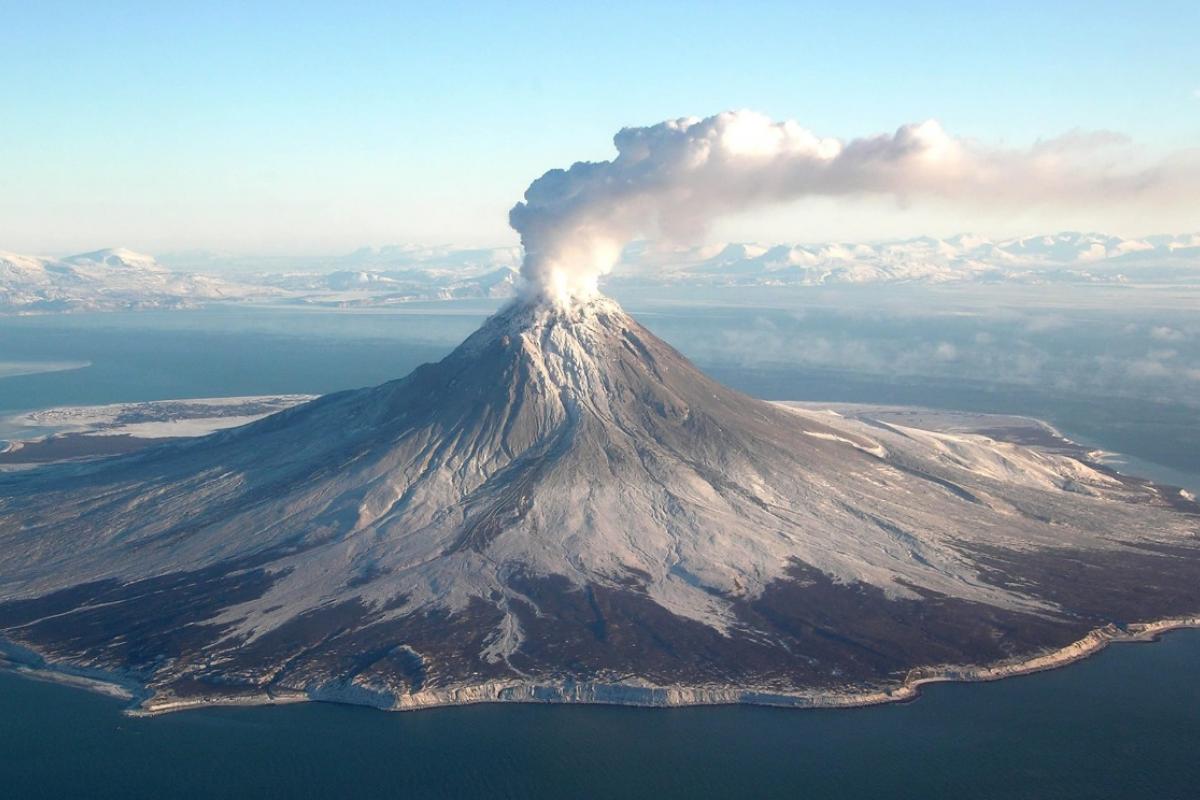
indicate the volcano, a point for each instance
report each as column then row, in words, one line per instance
column 565, row 509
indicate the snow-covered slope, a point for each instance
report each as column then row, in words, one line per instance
column 565, row 499
column 105, row 280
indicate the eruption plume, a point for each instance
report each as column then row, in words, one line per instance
column 675, row 178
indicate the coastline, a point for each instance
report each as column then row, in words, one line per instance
column 26, row 662
column 144, row 702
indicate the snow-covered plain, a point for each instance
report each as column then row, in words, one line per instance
column 156, row 419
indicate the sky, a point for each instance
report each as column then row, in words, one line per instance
column 298, row 129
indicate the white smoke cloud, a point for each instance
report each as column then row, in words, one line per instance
column 675, row 178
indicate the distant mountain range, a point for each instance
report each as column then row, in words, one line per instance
column 384, row 287
column 1063, row 257
column 106, row 280
column 122, row 279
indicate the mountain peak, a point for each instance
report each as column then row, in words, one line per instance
column 536, row 313
column 116, row 258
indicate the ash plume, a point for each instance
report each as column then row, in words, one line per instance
column 675, row 178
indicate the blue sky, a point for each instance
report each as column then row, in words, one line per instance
column 297, row 128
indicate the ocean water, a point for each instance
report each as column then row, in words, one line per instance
column 1123, row 724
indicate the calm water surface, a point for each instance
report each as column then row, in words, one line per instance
column 1124, row 724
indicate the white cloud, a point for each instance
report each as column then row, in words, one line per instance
column 1148, row 368
column 1167, row 334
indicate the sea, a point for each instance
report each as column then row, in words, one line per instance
column 1122, row 724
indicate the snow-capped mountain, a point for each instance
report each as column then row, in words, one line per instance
column 564, row 508
column 1063, row 257
column 444, row 257
column 350, row 288
column 113, row 260
column 121, row 279
column 105, row 280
